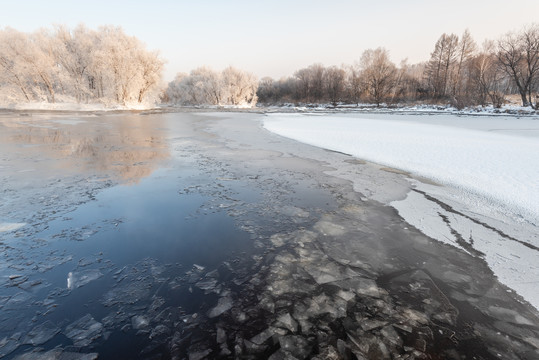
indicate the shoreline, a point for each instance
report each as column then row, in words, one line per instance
column 419, row 109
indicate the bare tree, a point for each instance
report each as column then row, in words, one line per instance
column 465, row 52
column 441, row 64
column 354, row 83
column 378, row 74
column 335, row 84
column 518, row 53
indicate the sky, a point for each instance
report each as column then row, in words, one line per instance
column 277, row 37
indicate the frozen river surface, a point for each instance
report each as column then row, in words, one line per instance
column 145, row 236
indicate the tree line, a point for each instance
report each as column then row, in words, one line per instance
column 106, row 65
column 459, row 72
column 78, row 65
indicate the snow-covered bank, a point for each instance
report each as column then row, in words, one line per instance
column 510, row 109
column 490, row 165
column 500, row 166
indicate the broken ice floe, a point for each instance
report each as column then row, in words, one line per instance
column 41, row 333
column 5, row 227
column 76, row 279
column 84, row 331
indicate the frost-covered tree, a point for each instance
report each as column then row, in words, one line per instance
column 240, row 87
column 204, row 86
column 79, row 65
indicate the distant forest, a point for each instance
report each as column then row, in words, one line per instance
column 107, row 66
column 459, row 73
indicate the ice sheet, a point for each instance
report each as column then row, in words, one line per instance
column 503, row 168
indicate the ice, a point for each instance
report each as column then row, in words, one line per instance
column 209, row 283
column 9, row 344
column 262, row 337
column 16, row 301
column 389, row 334
column 57, row 354
column 223, row 305
column 328, row 228
column 160, row 331
column 371, row 324
column 509, row 315
column 5, row 227
column 77, row 279
column 140, row 322
column 504, row 167
column 287, row 322
column 297, row 346
column 41, row 334
column 84, row 331
column 199, row 355
column 329, row 272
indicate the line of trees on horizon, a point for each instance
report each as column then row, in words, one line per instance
column 107, row 66
column 77, row 65
column 459, row 72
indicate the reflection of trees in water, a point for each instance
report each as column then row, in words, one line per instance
column 123, row 148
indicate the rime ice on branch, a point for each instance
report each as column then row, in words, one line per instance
column 77, row 65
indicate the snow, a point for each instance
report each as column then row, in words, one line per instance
column 503, row 168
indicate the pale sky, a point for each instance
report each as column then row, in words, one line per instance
column 276, row 37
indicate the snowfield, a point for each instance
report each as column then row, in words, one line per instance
column 495, row 158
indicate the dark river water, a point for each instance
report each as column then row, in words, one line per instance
column 191, row 236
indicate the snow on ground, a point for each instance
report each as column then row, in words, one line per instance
column 502, row 167
column 490, row 164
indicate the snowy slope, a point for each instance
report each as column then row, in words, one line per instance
column 501, row 167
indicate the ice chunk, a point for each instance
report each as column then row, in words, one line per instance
column 5, row 227
column 296, row 346
column 160, row 331
column 294, row 211
column 208, row 285
column 224, row 304
column 509, row 315
column 262, row 337
column 80, row 278
column 286, row 321
column 370, row 324
column 8, row 345
column 329, row 272
column 390, row 335
column 140, row 322
column 328, row 228
column 278, row 240
column 199, row 355
column 41, row 334
column 221, row 336
column 84, row 331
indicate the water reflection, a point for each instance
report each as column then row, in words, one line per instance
column 123, row 148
